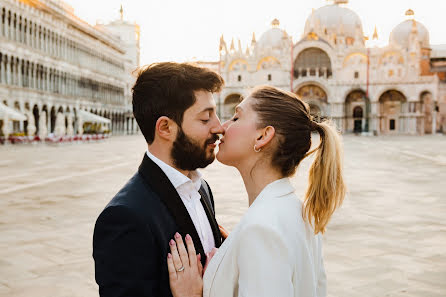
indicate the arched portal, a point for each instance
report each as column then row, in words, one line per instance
column 312, row 62
column 36, row 117
column 391, row 105
column 357, row 111
column 428, row 108
column 316, row 98
column 231, row 101
column 53, row 119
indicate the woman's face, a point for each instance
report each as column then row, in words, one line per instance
column 237, row 144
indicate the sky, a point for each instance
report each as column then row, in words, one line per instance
column 180, row 30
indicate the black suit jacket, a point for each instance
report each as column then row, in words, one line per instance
column 132, row 234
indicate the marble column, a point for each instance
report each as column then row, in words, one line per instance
column 8, row 70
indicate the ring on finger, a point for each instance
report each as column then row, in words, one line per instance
column 180, row 269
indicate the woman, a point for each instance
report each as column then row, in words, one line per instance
column 275, row 250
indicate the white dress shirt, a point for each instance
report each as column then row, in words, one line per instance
column 187, row 188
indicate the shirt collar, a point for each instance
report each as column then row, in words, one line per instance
column 177, row 178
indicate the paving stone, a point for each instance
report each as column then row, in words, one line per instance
column 388, row 239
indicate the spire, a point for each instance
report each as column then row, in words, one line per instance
column 222, row 43
column 375, row 34
column 240, row 46
column 341, row 27
column 253, row 40
column 247, row 51
column 232, row 45
column 121, row 12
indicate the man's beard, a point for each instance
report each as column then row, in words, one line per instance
column 187, row 154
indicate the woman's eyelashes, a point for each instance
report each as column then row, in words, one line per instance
column 234, row 118
column 205, row 121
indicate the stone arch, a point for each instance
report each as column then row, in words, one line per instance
column 36, row 115
column 53, row 115
column 234, row 65
column 361, row 56
column 355, row 101
column 312, row 61
column 391, row 107
column 316, row 98
column 268, row 62
column 230, row 103
column 427, row 108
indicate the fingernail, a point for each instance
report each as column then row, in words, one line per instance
column 188, row 237
column 199, row 256
column 177, row 235
column 169, row 255
column 172, row 242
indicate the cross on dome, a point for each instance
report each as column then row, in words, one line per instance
column 275, row 23
column 339, row 1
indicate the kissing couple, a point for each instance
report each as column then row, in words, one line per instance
column 159, row 235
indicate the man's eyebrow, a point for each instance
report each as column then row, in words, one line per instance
column 208, row 109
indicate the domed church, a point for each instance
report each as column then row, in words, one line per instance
column 363, row 89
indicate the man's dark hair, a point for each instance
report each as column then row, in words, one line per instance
column 167, row 89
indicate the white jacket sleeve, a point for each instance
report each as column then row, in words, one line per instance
column 322, row 277
column 263, row 262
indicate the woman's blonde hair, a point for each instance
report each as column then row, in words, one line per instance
column 291, row 119
column 326, row 188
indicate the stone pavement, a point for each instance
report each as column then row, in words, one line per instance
column 388, row 239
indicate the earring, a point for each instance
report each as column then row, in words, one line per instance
column 257, row 150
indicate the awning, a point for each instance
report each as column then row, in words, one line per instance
column 86, row 116
column 10, row 113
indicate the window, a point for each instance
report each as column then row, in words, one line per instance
column 392, row 124
column 356, row 74
column 391, row 73
column 239, row 78
column 269, row 76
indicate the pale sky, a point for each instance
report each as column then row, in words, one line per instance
column 180, row 30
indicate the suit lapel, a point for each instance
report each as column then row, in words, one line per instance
column 211, row 218
column 161, row 184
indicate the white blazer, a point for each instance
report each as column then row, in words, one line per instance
column 271, row 252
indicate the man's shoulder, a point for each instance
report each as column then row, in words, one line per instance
column 135, row 196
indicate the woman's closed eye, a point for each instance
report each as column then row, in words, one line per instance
column 205, row 121
column 234, row 118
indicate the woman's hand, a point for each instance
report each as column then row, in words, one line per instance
column 209, row 257
column 185, row 269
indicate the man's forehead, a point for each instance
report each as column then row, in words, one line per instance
column 204, row 101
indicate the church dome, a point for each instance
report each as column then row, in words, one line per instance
column 401, row 33
column 334, row 19
column 273, row 37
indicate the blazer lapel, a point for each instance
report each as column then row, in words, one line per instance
column 161, row 184
column 211, row 218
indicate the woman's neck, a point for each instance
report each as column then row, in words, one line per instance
column 257, row 178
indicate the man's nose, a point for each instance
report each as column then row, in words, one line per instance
column 218, row 128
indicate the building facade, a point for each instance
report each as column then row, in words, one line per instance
column 54, row 65
column 361, row 87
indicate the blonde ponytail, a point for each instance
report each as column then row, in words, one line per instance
column 326, row 189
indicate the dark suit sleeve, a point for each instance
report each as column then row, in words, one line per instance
column 127, row 261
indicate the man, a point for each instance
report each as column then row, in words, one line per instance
column 175, row 111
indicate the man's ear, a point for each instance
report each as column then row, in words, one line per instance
column 165, row 128
column 265, row 137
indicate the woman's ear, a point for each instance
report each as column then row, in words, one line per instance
column 165, row 128
column 265, row 137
